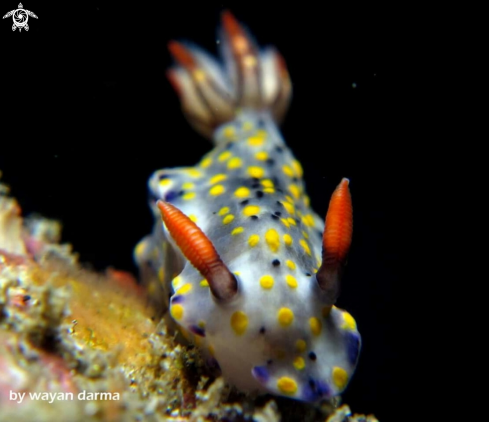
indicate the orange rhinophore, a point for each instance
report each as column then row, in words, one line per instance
column 336, row 240
column 200, row 251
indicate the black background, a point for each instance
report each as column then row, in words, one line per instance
column 91, row 115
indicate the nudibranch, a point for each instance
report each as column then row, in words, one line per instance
column 251, row 272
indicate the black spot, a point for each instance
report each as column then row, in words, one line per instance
column 215, row 212
column 279, row 149
column 275, row 262
column 262, row 330
column 259, row 194
column 312, row 356
column 269, row 361
column 255, row 186
column 163, row 176
column 254, row 217
column 308, row 274
column 320, row 234
column 295, row 179
column 229, row 145
column 270, row 161
column 312, row 383
column 279, row 203
column 275, row 217
column 255, row 179
column 181, row 193
column 245, row 202
column 279, row 190
column 278, row 213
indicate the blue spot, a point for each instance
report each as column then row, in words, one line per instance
column 352, row 341
column 261, row 374
column 171, row 195
column 197, row 330
column 177, row 299
column 315, row 390
column 212, row 363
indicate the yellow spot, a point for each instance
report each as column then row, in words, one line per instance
column 188, row 185
column 242, row 192
column 140, row 248
column 285, row 222
column 176, row 282
column 261, row 156
column 266, row 281
column 289, row 207
column 340, row 377
column 199, row 75
column 285, row 317
column 217, row 178
column 247, row 125
column 229, row 132
column 211, row 349
column 297, row 168
column 206, row 162
column 290, row 264
column 223, row 211
column 217, row 190
column 253, row 240
column 228, row 219
column 165, row 182
column 315, row 325
column 250, row 210
column 318, row 260
column 273, row 239
column 193, row 172
column 269, row 190
column 349, row 322
column 161, row 274
column 255, row 171
column 300, row 346
column 305, row 234
column 287, row 170
column 308, row 220
column 239, row 322
column 223, row 156
column 184, row 289
column 267, row 183
column 291, row 281
column 261, row 133
column 237, row 230
column 249, row 60
column 204, row 283
column 255, row 141
column 188, row 196
column 289, row 199
column 176, row 311
column 201, row 324
column 287, row 385
column 234, row 163
column 307, row 200
column 299, row 363
column 291, row 221
column 288, row 239
column 326, row 311
column 295, row 191
column 237, row 272
column 305, row 246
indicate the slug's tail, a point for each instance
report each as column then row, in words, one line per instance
column 211, row 93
